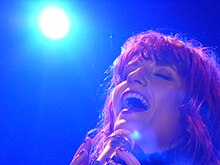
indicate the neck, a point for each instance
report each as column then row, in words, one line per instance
column 150, row 143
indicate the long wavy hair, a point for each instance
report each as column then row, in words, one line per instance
column 200, row 110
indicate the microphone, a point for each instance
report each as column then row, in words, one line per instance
column 119, row 139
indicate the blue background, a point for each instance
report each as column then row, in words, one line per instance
column 50, row 93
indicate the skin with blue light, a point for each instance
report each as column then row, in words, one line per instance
column 163, row 89
column 163, row 84
column 155, row 83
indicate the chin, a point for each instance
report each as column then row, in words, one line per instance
column 123, row 124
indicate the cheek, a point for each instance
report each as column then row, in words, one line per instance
column 116, row 96
column 169, row 97
column 167, row 111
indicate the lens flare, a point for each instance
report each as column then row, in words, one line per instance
column 135, row 135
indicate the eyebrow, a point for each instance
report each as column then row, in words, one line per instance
column 173, row 68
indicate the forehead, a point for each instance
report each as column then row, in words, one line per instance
column 154, row 59
column 164, row 53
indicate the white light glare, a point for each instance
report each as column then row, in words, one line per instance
column 54, row 22
column 135, row 135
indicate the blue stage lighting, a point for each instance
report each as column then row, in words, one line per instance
column 54, row 22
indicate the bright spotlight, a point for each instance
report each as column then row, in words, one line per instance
column 54, row 23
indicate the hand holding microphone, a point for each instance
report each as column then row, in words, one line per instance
column 119, row 139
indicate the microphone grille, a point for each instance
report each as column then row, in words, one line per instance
column 120, row 138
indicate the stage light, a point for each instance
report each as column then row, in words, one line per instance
column 54, row 23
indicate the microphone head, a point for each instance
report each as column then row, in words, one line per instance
column 120, row 138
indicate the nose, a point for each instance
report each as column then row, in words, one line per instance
column 137, row 78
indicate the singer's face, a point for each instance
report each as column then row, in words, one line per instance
column 148, row 101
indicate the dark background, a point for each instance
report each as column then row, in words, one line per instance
column 50, row 93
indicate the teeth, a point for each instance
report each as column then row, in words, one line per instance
column 135, row 95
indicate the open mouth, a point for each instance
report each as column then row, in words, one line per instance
column 134, row 101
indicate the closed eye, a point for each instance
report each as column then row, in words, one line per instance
column 163, row 76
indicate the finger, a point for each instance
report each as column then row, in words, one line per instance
column 81, row 158
column 111, row 163
column 87, row 145
column 127, row 157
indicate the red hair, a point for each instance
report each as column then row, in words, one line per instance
column 200, row 110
